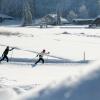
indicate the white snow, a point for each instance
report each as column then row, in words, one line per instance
column 20, row 80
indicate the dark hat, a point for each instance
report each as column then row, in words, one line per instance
column 44, row 50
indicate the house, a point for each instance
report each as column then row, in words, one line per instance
column 51, row 19
column 95, row 22
column 82, row 21
column 5, row 17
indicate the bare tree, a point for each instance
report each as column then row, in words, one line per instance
column 58, row 18
column 32, row 4
column 58, row 14
column 27, row 15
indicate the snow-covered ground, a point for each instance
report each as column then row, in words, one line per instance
column 65, row 75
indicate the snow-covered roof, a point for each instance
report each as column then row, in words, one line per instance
column 98, row 16
column 64, row 20
column 5, row 16
column 55, row 17
column 82, row 19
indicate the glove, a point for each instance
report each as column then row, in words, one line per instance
column 48, row 52
column 36, row 55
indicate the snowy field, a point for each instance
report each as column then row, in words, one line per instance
column 70, row 72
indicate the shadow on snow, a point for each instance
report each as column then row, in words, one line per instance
column 88, row 89
column 27, row 61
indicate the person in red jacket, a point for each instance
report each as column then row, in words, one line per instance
column 40, row 55
column 5, row 53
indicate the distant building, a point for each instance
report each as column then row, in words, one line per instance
column 82, row 21
column 5, row 17
column 51, row 19
column 95, row 22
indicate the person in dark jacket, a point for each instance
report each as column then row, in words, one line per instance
column 40, row 55
column 5, row 53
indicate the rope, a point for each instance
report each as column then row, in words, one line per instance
column 35, row 52
column 11, row 54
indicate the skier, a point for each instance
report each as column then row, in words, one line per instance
column 40, row 55
column 5, row 53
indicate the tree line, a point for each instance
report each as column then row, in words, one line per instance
column 38, row 8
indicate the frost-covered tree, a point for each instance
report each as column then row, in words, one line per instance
column 72, row 15
column 59, row 10
column 27, row 15
column 58, row 18
column 37, row 8
column 83, row 12
column 32, row 4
